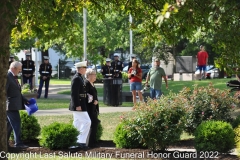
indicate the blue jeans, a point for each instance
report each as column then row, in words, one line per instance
column 46, row 87
column 14, row 123
column 135, row 86
column 155, row 93
column 28, row 80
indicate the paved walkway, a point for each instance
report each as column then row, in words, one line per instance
column 54, row 89
column 64, row 111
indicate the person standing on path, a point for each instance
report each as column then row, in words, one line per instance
column 135, row 76
column 117, row 66
column 202, row 60
column 81, row 119
column 107, row 70
column 154, row 76
column 45, row 71
column 28, row 70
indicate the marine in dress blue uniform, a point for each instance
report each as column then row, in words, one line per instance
column 28, row 69
column 107, row 70
column 45, row 71
column 81, row 119
column 117, row 67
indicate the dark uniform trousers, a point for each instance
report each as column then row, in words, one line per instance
column 44, row 70
column 28, row 67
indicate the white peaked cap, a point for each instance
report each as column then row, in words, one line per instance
column 11, row 56
column 81, row 64
column 116, row 55
column 28, row 54
column 108, row 60
column 45, row 57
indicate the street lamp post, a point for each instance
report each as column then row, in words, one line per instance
column 84, row 34
column 130, row 20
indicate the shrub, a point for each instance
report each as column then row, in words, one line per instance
column 207, row 103
column 237, row 139
column 99, row 132
column 214, row 136
column 160, row 122
column 99, row 78
column 236, row 122
column 125, row 136
column 58, row 135
column 30, row 128
column 155, row 124
column 124, row 77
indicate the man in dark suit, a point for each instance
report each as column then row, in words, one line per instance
column 81, row 119
column 15, row 102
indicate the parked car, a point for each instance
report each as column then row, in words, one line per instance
column 211, row 72
column 98, row 68
column 73, row 70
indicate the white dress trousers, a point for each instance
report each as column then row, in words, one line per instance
column 82, row 122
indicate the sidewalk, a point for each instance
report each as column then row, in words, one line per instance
column 54, row 89
column 65, row 111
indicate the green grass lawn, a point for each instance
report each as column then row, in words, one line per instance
column 174, row 86
column 44, row 104
column 109, row 122
column 99, row 90
column 60, row 81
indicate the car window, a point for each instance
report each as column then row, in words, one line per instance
column 144, row 67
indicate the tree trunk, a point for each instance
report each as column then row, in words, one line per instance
column 8, row 13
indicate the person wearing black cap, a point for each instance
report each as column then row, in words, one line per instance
column 107, row 69
column 133, row 56
column 78, row 104
column 11, row 59
column 45, row 71
column 117, row 67
column 28, row 70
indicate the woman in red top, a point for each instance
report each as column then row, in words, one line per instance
column 135, row 76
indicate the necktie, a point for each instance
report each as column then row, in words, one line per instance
column 16, row 79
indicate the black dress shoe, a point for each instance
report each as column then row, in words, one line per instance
column 21, row 146
column 93, row 146
column 83, row 146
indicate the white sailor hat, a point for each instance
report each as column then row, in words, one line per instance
column 81, row 64
column 46, row 57
column 11, row 56
column 108, row 60
column 116, row 55
column 133, row 55
column 28, row 54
